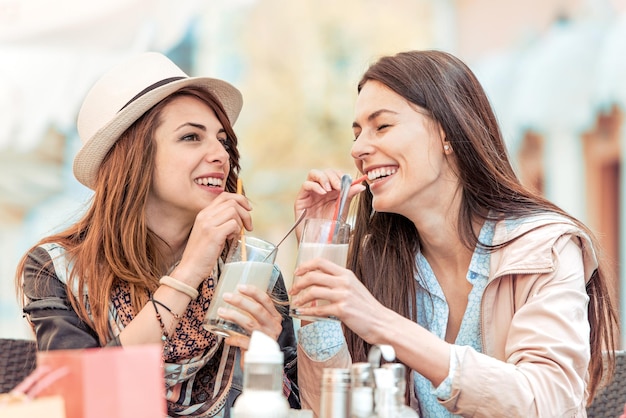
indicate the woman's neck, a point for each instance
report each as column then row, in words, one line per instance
column 443, row 247
column 440, row 239
column 174, row 238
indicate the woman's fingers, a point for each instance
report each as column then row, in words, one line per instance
column 318, row 193
column 319, row 279
column 345, row 296
column 240, row 341
column 222, row 220
column 329, row 179
column 229, row 212
column 255, row 311
column 316, row 265
column 316, row 286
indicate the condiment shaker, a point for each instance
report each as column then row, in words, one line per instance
column 335, row 393
column 361, row 391
column 262, row 395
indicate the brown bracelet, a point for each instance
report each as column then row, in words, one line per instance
column 164, row 334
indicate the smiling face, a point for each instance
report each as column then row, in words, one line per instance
column 401, row 149
column 191, row 163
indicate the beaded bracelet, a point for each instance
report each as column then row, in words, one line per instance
column 175, row 315
column 180, row 286
column 164, row 333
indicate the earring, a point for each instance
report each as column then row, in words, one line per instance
column 446, row 148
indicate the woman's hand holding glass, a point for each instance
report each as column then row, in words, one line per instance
column 348, row 300
column 318, row 196
column 258, row 312
column 222, row 220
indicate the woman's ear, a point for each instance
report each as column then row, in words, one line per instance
column 447, row 147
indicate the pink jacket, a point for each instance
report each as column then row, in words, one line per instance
column 535, row 330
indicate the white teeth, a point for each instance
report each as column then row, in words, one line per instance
column 381, row 172
column 209, row 181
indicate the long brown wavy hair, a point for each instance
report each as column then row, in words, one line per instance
column 112, row 243
column 386, row 244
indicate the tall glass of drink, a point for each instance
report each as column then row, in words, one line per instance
column 325, row 238
column 249, row 261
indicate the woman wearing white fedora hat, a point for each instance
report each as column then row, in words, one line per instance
column 139, row 267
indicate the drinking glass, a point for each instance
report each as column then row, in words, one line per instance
column 250, row 261
column 325, row 238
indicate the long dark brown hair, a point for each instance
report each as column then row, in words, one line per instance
column 385, row 244
column 112, row 243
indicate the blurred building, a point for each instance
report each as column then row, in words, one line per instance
column 560, row 96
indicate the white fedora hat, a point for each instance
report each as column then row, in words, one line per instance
column 124, row 94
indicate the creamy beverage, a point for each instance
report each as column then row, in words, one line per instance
column 321, row 238
column 337, row 253
column 254, row 273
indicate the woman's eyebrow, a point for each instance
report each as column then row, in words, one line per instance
column 374, row 116
column 194, row 125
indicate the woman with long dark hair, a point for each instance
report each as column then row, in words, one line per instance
column 494, row 298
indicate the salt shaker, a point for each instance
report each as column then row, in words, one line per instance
column 361, row 391
column 391, row 387
column 335, row 393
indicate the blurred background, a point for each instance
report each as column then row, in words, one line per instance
column 555, row 71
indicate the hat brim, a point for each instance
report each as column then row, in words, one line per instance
column 90, row 156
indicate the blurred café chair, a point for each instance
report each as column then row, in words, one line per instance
column 609, row 402
column 18, row 358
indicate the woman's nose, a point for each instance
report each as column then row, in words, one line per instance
column 216, row 152
column 361, row 148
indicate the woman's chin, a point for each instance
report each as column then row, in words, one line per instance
column 380, row 205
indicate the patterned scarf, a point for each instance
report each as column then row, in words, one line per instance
column 192, row 359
